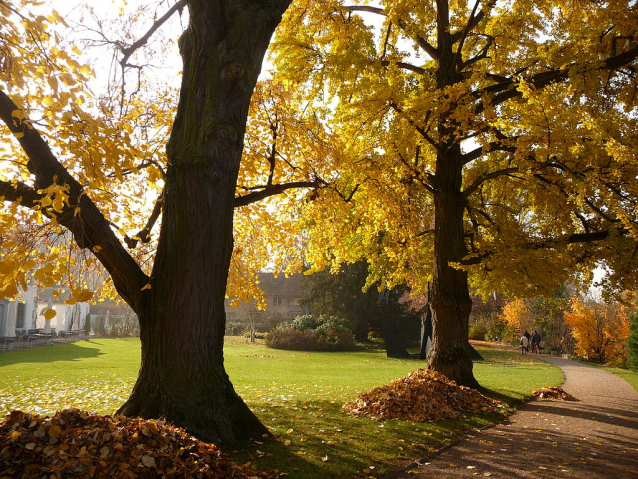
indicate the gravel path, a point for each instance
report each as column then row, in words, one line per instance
column 594, row 438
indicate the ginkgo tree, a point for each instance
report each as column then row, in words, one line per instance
column 485, row 143
column 86, row 164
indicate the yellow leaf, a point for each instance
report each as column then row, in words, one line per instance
column 55, row 431
column 49, row 314
column 148, row 286
column 18, row 135
column 48, row 101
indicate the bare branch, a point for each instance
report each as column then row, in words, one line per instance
column 144, row 234
column 128, row 51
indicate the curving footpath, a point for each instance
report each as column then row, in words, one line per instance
column 594, row 438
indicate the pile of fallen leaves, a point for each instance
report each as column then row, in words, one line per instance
column 423, row 395
column 553, row 393
column 75, row 443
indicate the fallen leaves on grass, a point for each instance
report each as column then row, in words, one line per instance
column 553, row 393
column 74, row 443
column 423, row 395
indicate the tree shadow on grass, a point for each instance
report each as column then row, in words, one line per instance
column 50, row 354
column 316, row 440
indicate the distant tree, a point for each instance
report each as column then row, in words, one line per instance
column 544, row 314
column 345, row 294
column 632, row 343
column 600, row 330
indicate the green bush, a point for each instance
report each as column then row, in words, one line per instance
column 292, row 339
column 477, row 333
column 312, row 333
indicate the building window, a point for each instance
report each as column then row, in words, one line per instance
column 278, row 301
column 22, row 311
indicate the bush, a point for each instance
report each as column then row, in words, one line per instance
column 292, row 339
column 477, row 333
column 312, row 333
column 234, row 329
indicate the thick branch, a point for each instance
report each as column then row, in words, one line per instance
column 20, row 193
column 493, row 146
column 485, row 177
column 272, row 190
column 509, row 89
column 550, row 243
column 405, row 66
column 458, row 57
column 89, row 227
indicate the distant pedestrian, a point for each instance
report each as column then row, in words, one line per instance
column 524, row 344
column 529, row 339
column 536, row 342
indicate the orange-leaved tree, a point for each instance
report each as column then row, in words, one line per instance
column 486, row 143
column 600, row 329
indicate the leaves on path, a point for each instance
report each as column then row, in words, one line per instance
column 74, row 443
column 553, row 393
column 423, row 395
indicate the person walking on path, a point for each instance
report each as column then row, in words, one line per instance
column 536, row 342
column 524, row 344
column 595, row 438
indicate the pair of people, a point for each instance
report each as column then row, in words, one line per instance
column 534, row 339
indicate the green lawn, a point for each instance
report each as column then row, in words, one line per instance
column 630, row 376
column 297, row 395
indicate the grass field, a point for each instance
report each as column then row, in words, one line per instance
column 297, row 395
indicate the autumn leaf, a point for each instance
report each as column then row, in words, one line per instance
column 49, row 314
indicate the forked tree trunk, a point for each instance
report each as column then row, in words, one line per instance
column 182, row 317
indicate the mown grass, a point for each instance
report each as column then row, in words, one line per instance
column 297, row 395
column 630, row 376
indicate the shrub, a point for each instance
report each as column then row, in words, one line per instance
column 234, row 329
column 292, row 339
column 477, row 333
column 310, row 333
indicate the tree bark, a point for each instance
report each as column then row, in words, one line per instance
column 451, row 303
column 182, row 317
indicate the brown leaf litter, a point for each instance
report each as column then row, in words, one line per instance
column 423, row 395
column 75, row 443
column 553, row 393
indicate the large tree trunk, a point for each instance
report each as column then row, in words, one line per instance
column 451, row 303
column 182, row 317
